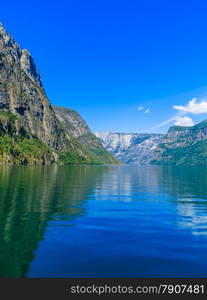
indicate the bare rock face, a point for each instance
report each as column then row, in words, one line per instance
column 26, row 113
column 180, row 146
column 78, row 128
column 22, row 95
column 72, row 120
column 28, row 66
column 131, row 148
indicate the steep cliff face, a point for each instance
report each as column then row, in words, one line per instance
column 78, row 128
column 72, row 120
column 130, row 148
column 22, row 95
column 180, row 146
column 17, row 146
column 183, row 146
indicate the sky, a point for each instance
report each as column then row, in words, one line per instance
column 125, row 65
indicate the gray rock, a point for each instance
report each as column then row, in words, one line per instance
column 131, row 148
column 22, row 94
column 78, row 128
column 183, row 146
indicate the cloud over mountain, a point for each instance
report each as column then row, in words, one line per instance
column 180, row 119
column 193, row 107
column 184, row 121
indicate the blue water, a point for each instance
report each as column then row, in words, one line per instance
column 103, row 221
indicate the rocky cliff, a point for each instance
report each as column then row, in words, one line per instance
column 22, row 94
column 27, row 115
column 180, row 146
column 183, row 146
column 132, row 148
column 78, row 128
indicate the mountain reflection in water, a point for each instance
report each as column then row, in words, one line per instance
column 103, row 221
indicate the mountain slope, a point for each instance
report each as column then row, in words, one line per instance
column 22, row 96
column 17, row 147
column 183, row 146
column 77, row 127
column 132, row 148
column 22, row 93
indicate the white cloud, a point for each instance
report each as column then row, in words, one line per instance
column 184, row 121
column 193, row 107
column 144, row 109
column 147, row 111
column 140, row 108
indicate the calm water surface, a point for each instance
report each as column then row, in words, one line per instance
column 103, row 221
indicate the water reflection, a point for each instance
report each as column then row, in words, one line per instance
column 188, row 186
column 152, row 219
column 184, row 187
column 29, row 197
column 185, row 182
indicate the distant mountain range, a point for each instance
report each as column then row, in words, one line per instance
column 30, row 130
column 131, row 148
column 180, row 146
column 183, row 146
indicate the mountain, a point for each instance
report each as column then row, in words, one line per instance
column 132, row 148
column 183, row 146
column 30, row 132
column 78, row 128
column 180, row 146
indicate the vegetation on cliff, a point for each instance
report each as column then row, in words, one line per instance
column 77, row 127
column 30, row 132
column 183, row 146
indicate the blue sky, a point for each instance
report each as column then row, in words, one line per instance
column 122, row 64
